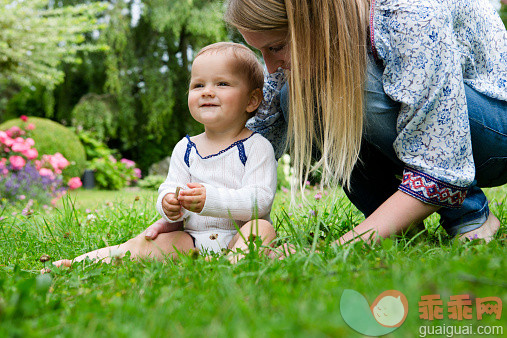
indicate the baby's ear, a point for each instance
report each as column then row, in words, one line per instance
column 255, row 100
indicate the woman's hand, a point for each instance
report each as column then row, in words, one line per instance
column 193, row 199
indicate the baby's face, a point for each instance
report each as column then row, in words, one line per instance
column 219, row 95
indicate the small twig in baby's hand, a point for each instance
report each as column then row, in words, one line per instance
column 177, row 192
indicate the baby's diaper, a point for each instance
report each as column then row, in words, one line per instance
column 212, row 240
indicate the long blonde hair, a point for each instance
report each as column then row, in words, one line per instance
column 327, row 41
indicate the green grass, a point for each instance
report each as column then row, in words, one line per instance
column 298, row 296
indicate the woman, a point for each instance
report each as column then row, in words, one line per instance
column 431, row 79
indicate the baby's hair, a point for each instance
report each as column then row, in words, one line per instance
column 246, row 61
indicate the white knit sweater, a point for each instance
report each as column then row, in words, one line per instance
column 240, row 182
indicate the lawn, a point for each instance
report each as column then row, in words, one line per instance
column 298, row 296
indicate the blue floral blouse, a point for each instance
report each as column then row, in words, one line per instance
column 429, row 49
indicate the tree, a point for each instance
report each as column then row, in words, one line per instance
column 147, row 71
column 35, row 39
column 142, row 79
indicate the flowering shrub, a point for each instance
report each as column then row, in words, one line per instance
column 23, row 175
column 50, row 138
column 112, row 174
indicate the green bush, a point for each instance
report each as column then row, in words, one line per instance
column 111, row 174
column 97, row 113
column 94, row 148
column 51, row 137
column 151, row 182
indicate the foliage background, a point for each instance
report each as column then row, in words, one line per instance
column 132, row 92
column 124, row 72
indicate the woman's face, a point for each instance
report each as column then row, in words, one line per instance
column 273, row 46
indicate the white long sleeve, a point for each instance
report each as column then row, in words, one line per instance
column 178, row 176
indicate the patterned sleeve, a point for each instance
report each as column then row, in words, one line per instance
column 423, row 72
column 269, row 120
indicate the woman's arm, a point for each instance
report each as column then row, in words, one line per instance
column 397, row 213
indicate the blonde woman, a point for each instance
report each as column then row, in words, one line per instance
column 405, row 100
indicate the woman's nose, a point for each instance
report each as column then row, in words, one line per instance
column 272, row 63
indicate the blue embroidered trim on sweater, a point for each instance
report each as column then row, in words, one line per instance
column 187, row 153
column 239, row 144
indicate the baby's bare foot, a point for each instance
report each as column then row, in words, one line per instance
column 487, row 231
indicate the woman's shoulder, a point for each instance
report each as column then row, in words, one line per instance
column 416, row 6
column 405, row 15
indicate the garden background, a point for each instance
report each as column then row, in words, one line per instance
column 102, row 86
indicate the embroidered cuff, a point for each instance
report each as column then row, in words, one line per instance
column 430, row 190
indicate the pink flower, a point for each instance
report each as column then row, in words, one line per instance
column 14, row 131
column 24, row 118
column 8, row 141
column 74, row 183
column 137, row 172
column 46, row 172
column 21, row 197
column 3, row 136
column 30, row 142
column 318, row 196
column 56, row 161
column 285, row 190
column 17, row 162
column 307, row 183
column 31, row 154
column 30, row 126
column 128, row 163
column 59, row 161
column 20, row 145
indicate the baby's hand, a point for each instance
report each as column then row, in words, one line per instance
column 171, row 207
column 193, row 199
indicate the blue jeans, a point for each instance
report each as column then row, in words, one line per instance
column 374, row 178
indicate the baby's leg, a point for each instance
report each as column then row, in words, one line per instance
column 140, row 247
column 256, row 228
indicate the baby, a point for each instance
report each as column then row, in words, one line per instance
column 225, row 177
column 229, row 170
